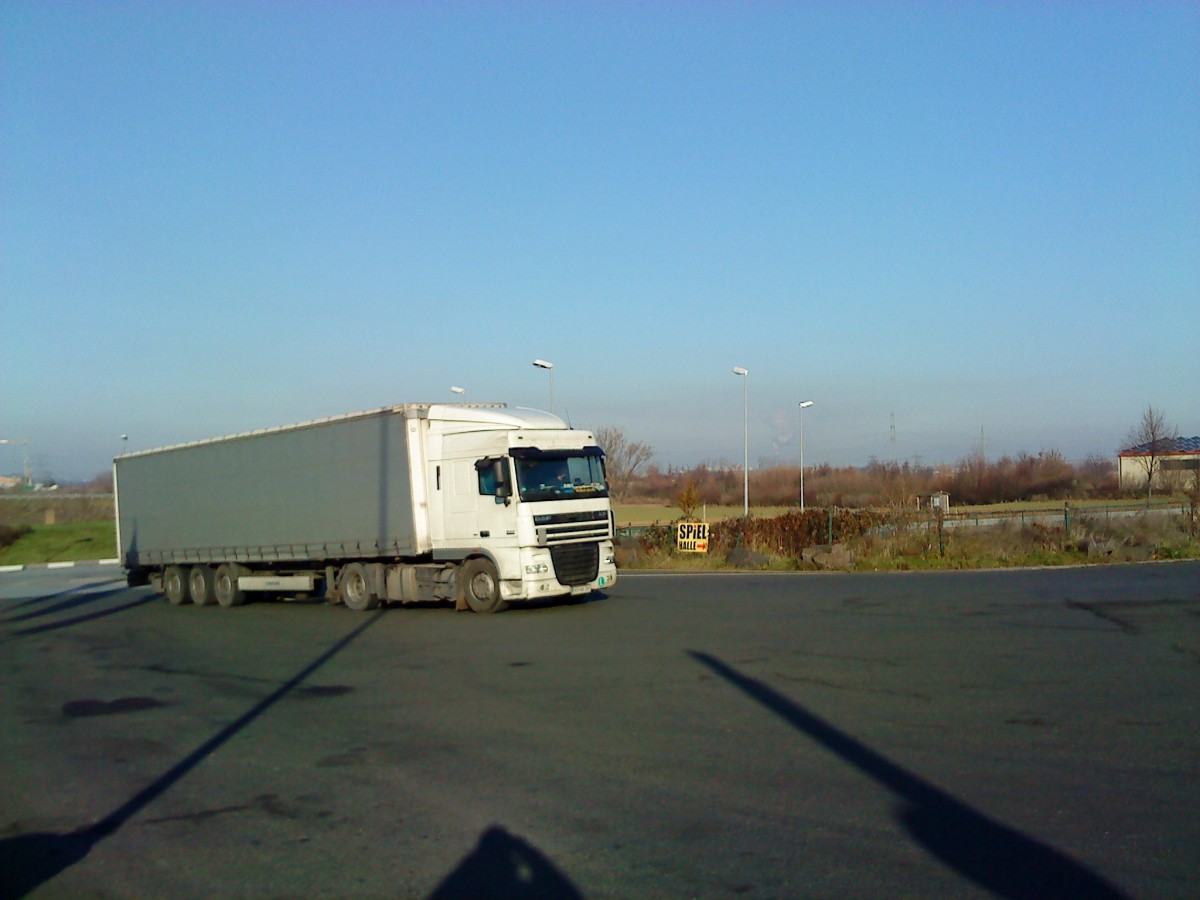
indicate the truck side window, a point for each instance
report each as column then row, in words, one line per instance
column 494, row 478
column 487, row 477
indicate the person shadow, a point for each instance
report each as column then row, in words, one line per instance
column 994, row 856
column 503, row 865
column 30, row 860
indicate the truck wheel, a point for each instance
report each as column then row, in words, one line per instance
column 175, row 585
column 354, row 588
column 481, row 586
column 200, row 586
column 225, row 586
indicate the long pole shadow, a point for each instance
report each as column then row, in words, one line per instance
column 30, row 860
column 992, row 855
column 71, row 601
column 85, row 617
column 79, row 588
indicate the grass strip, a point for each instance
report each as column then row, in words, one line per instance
column 68, row 542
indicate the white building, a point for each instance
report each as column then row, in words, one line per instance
column 1175, row 461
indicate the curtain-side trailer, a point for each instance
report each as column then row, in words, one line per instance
column 478, row 504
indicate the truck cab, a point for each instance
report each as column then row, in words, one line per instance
column 523, row 495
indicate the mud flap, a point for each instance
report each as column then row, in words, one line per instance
column 460, row 595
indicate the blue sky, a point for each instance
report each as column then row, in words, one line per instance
column 971, row 216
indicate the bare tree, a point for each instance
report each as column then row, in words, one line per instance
column 1149, row 440
column 623, row 457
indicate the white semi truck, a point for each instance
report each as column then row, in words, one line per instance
column 476, row 504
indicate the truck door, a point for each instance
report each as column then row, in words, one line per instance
column 473, row 517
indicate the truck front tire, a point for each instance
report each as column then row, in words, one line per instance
column 481, row 586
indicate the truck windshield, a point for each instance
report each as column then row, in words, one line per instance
column 559, row 475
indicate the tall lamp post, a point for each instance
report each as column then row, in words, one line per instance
column 455, row 389
column 25, row 459
column 745, row 374
column 803, row 406
column 548, row 366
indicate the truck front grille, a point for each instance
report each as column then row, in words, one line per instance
column 575, row 563
column 564, row 528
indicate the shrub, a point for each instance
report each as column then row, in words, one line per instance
column 789, row 534
column 10, row 534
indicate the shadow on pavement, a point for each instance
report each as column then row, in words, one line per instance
column 87, row 617
column 71, row 600
column 79, row 588
column 503, row 865
column 28, row 861
column 995, row 857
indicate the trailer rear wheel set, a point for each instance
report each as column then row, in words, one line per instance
column 359, row 586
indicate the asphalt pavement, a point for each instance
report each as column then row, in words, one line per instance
column 1012, row 734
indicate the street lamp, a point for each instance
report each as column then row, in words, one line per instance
column 25, row 458
column 745, row 373
column 803, row 406
column 549, row 367
column 455, row 389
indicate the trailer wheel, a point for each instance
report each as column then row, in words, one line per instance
column 354, row 588
column 175, row 585
column 200, row 586
column 481, row 586
column 225, row 586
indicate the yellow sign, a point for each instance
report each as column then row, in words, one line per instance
column 691, row 537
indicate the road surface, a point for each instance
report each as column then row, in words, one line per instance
column 1014, row 734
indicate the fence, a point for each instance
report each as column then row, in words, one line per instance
column 794, row 531
column 1066, row 515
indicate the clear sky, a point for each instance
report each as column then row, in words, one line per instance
column 976, row 217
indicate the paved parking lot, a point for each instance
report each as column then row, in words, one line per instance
column 1011, row 734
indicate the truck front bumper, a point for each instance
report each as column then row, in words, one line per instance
column 539, row 579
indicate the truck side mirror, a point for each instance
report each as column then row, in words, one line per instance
column 503, row 485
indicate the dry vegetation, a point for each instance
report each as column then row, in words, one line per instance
column 865, row 540
column 874, row 516
column 1046, row 476
column 54, row 509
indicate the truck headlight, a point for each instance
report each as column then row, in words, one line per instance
column 537, row 569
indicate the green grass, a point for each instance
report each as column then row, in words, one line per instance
column 62, row 543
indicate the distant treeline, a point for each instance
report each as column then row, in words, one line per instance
column 1046, row 476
